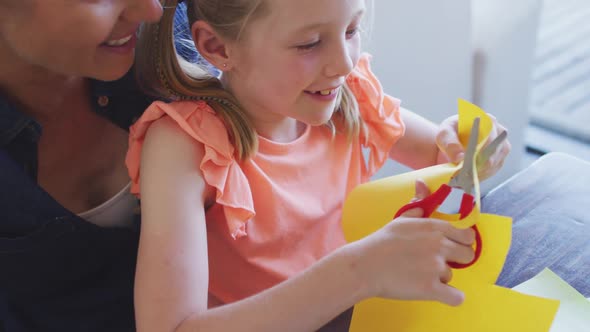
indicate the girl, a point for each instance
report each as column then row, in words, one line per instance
column 242, row 185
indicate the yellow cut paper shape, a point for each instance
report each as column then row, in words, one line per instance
column 487, row 307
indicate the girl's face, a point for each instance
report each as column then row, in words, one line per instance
column 293, row 61
column 91, row 38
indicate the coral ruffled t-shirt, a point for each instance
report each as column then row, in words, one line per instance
column 279, row 212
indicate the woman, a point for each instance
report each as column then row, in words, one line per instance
column 67, row 241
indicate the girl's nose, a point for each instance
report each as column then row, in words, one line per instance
column 340, row 63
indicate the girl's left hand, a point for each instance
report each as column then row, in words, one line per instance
column 448, row 142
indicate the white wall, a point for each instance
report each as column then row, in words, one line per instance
column 422, row 55
column 504, row 40
column 429, row 53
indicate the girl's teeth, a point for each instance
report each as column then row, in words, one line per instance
column 324, row 92
column 119, row 42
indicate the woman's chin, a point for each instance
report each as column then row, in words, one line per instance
column 112, row 72
column 110, row 76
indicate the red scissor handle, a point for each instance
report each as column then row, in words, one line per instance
column 430, row 203
column 476, row 255
column 465, row 209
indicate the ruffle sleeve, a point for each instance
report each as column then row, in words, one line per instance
column 219, row 167
column 380, row 113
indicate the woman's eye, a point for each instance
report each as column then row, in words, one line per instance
column 308, row 46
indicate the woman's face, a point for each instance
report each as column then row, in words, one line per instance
column 91, row 38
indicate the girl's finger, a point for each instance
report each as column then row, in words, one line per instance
column 422, row 190
column 458, row 253
column 448, row 142
column 447, row 275
column 447, row 294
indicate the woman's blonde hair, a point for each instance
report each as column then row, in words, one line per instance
column 161, row 72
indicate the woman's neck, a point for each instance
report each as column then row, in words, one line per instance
column 38, row 92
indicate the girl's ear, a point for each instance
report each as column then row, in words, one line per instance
column 210, row 45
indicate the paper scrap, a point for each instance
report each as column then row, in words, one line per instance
column 574, row 312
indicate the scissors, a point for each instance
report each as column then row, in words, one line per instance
column 462, row 179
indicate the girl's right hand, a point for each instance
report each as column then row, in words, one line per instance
column 407, row 258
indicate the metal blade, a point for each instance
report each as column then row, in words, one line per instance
column 490, row 149
column 464, row 178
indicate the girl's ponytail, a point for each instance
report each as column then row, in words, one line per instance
column 162, row 73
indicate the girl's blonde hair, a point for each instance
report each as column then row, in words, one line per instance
column 161, row 72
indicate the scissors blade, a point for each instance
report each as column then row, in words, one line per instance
column 464, row 178
column 490, row 149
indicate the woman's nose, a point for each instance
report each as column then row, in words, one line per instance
column 144, row 11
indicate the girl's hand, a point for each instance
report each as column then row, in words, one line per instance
column 407, row 258
column 449, row 145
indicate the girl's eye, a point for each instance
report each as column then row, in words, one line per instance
column 309, row 46
column 351, row 32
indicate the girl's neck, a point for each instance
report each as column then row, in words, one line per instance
column 271, row 126
column 285, row 131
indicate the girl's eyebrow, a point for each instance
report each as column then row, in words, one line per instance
column 315, row 26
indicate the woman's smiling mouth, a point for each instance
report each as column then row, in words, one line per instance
column 118, row 42
column 120, row 45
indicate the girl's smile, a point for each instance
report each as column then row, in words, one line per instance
column 326, row 95
column 293, row 62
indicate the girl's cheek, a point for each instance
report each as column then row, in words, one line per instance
column 355, row 50
column 307, row 65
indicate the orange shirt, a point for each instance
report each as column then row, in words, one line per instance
column 279, row 212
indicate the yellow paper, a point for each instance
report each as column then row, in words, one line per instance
column 574, row 311
column 487, row 307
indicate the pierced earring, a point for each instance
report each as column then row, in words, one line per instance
column 224, row 65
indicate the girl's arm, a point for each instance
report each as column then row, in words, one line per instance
column 417, row 148
column 172, row 267
column 405, row 260
column 172, row 270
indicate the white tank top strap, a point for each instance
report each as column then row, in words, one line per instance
column 118, row 211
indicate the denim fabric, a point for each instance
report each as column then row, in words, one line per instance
column 59, row 272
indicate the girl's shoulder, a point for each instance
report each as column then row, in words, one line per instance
column 363, row 83
column 374, row 104
column 199, row 122
column 195, row 118
column 380, row 113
